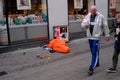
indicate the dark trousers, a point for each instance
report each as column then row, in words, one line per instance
column 94, row 47
column 115, row 58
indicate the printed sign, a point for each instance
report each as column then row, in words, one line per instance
column 24, row 4
column 112, row 4
column 78, row 4
column 61, row 32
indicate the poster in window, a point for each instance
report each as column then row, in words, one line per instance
column 78, row 4
column 24, row 4
column 112, row 4
column 61, row 32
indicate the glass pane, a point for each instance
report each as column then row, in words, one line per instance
column 77, row 9
column 27, row 20
column 3, row 28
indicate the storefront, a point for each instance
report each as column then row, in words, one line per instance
column 23, row 21
column 110, row 9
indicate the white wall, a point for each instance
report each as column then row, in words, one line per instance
column 102, row 6
column 57, row 14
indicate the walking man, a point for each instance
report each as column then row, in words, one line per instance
column 95, row 24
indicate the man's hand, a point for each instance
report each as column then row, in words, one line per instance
column 87, row 24
column 107, row 38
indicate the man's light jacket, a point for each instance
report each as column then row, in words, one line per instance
column 100, row 25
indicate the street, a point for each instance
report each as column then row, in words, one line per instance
column 73, row 67
column 59, row 39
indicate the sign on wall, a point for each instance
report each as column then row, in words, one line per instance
column 61, row 32
column 24, row 4
column 78, row 4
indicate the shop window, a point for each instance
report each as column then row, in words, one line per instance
column 27, row 20
column 77, row 9
column 23, row 12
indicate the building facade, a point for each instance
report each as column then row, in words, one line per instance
column 24, row 21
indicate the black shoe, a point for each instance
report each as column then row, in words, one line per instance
column 111, row 70
column 90, row 72
column 98, row 65
column 51, row 51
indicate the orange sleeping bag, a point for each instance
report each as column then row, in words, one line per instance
column 59, row 46
column 55, row 41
